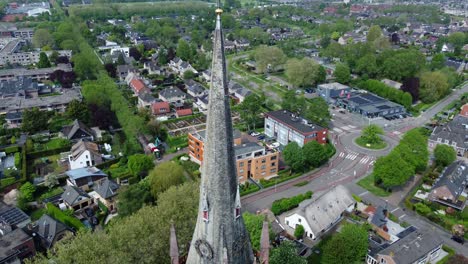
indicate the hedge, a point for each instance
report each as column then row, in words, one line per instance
column 7, row 181
column 285, row 204
column 49, row 152
column 17, row 160
column 107, row 164
column 12, row 149
column 59, row 215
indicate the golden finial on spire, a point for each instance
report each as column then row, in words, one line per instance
column 219, row 11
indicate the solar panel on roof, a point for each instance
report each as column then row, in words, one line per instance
column 406, row 232
column 359, row 100
column 372, row 98
column 383, row 107
column 13, row 216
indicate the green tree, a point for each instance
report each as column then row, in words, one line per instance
column 139, row 164
column 342, row 73
column 27, row 191
column 133, row 197
column 293, row 156
column 43, row 61
column 350, row 245
column 189, row 75
column 304, row 72
column 335, row 35
column 164, row 176
column 51, row 180
column 77, row 110
column 34, row 120
column 249, row 111
column 13, row 140
column 325, row 41
column 314, row 154
column 387, row 176
column 183, row 50
column 42, row 38
column 371, row 134
column 438, row 61
column 367, row 65
column 286, row 253
column 375, row 32
column 293, row 103
column 444, row 155
column 433, row 86
column 268, row 58
column 317, row 111
column 299, row 231
column 54, row 56
column 146, row 232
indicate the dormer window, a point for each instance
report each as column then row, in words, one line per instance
column 238, row 211
column 205, row 215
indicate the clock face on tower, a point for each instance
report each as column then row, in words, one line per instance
column 204, row 249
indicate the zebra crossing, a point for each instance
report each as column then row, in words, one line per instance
column 344, row 128
column 351, row 155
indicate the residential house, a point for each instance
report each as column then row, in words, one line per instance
column 13, row 216
column 84, row 154
column 195, row 89
column 322, row 213
column 184, row 112
column 15, row 244
column 12, row 54
column 153, row 68
column 180, row 67
column 106, row 193
column 50, row 231
column 454, row 133
column 23, row 87
column 417, row 247
column 145, row 100
column 14, row 119
column 123, row 71
column 464, row 111
column 85, row 178
column 287, row 127
column 229, row 45
column 172, row 95
column 206, row 75
column 241, row 44
column 202, row 103
column 77, row 131
column 160, row 108
column 449, row 188
column 33, row 74
column 238, row 92
column 75, row 198
column 138, row 86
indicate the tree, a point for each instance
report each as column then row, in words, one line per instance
column 51, row 180
column 77, row 110
column 268, row 58
column 254, row 224
column 367, row 65
column 458, row 39
column 438, row 61
column 382, row 43
column 348, row 246
column 317, row 111
column 13, row 140
column 165, row 175
column 433, row 86
column 375, row 32
column 42, row 38
column 286, row 253
column 135, row 53
column 34, row 120
column 293, row 103
column 134, row 197
column 156, row 129
column 43, row 61
column 27, row 191
column 322, row 75
column 111, row 69
column 371, row 134
column 54, row 56
column 299, row 231
column 189, row 75
column 304, row 72
column 146, row 232
column 314, row 154
column 249, row 111
column 444, row 155
column 183, row 50
column 385, row 173
column 342, row 73
column 293, row 156
column 335, row 35
column 457, row 259
column 325, row 41
column 139, row 164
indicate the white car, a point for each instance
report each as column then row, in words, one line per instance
column 254, row 134
column 275, row 145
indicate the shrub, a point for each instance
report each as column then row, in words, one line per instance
column 57, row 214
column 12, row 149
column 17, row 160
column 285, row 204
column 299, row 232
column 422, row 209
column 7, row 181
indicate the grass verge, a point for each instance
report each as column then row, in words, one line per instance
column 362, row 143
column 368, row 184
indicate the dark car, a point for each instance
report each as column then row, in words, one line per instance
column 261, row 137
column 309, row 90
column 94, row 220
column 458, row 239
column 89, row 212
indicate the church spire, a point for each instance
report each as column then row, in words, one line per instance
column 219, row 236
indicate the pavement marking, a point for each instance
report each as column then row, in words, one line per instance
column 364, row 160
column 352, row 126
column 372, row 162
column 395, row 209
column 337, row 130
column 364, row 193
column 402, row 216
column 342, row 154
column 351, row 156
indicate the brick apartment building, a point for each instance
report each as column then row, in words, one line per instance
column 252, row 160
column 287, row 127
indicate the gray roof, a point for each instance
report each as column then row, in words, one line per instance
column 325, row 209
column 85, row 172
column 17, row 72
column 454, row 131
column 195, row 87
column 14, row 116
column 333, row 86
column 380, row 219
column 171, row 92
column 17, row 86
column 81, row 146
column 411, row 248
column 73, row 194
column 69, row 131
column 107, row 188
column 48, row 228
column 297, row 123
column 10, row 242
column 247, row 148
column 13, row 215
column 243, row 92
column 146, row 97
column 454, row 177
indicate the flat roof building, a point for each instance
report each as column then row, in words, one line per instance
column 369, row 105
column 331, row 91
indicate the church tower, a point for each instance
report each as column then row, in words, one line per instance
column 220, row 236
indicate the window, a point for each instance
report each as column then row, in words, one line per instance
column 263, row 167
column 241, row 164
column 447, row 141
column 263, row 160
column 205, row 215
column 241, row 171
column 273, row 164
column 267, row 126
column 273, row 170
column 383, row 261
column 299, row 220
column 273, row 158
column 238, row 210
column 439, row 140
column 239, row 157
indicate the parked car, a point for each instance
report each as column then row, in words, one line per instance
column 254, row 133
column 309, row 90
column 261, row 137
column 94, row 220
column 89, row 212
column 458, row 239
column 275, row 145
column 342, row 111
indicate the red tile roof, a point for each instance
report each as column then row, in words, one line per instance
column 160, row 108
column 137, row 85
column 12, row 18
column 464, row 110
column 184, row 112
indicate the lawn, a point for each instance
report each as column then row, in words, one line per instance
column 361, row 142
column 368, row 184
column 36, row 214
